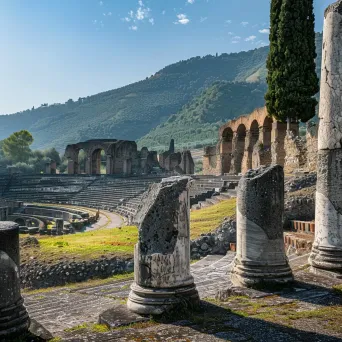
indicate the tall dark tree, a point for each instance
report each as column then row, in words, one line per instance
column 292, row 80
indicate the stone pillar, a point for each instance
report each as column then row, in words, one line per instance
column 88, row 170
column 162, row 278
column 14, row 319
column 71, row 167
column 326, row 253
column 109, row 165
column 234, row 159
column 172, row 146
column 260, row 257
column 278, row 142
column 248, row 153
column 59, row 226
column 48, row 168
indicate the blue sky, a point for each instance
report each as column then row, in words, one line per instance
column 53, row 50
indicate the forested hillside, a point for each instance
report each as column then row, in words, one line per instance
column 197, row 123
column 131, row 112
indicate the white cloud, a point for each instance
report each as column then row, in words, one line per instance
column 265, row 31
column 151, row 21
column 203, row 19
column 235, row 41
column 163, row 13
column 142, row 13
column 261, row 43
column 109, row 13
column 230, row 33
column 131, row 14
column 191, row 2
column 236, row 37
column 101, row 3
column 250, row 38
column 94, row 21
column 182, row 19
column 140, row 3
column 104, row 14
column 134, row 28
column 229, row 21
column 126, row 19
column 244, row 23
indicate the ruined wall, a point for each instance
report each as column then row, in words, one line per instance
column 211, row 161
column 295, row 153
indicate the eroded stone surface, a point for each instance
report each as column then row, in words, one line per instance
column 162, row 255
column 327, row 249
column 260, row 246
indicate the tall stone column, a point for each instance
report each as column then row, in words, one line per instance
column 14, row 319
column 248, row 153
column 260, row 257
column 278, row 143
column 162, row 279
column 234, row 169
column 327, row 249
column 71, row 167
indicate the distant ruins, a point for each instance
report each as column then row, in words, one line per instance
column 254, row 140
column 123, row 158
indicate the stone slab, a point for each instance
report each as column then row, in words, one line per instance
column 120, row 316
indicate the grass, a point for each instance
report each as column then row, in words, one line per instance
column 208, row 219
column 83, row 285
column 88, row 245
column 117, row 241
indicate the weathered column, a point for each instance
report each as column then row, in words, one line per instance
column 234, row 169
column 48, row 168
column 71, row 167
column 260, row 257
column 59, row 226
column 109, row 165
column 248, row 153
column 14, row 319
column 278, row 142
column 162, row 279
column 327, row 249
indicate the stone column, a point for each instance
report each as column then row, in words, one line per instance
column 14, row 319
column 109, row 165
column 234, row 159
column 278, row 142
column 247, row 157
column 48, row 168
column 71, row 167
column 260, row 257
column 162, row 279
column 327, row 249
column 59, row 226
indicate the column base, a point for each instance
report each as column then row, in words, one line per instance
column 14, row 320
column 326, row 258
column 148, row 301
column 253, row 274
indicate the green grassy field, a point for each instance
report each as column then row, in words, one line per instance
column 116, row 241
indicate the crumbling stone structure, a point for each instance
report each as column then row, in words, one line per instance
column 51, row 167
column 260, row 257
column 327, row 249
column 181, row 162
column 247, row 142
column 122, row 157
column 162, row 278
column 14, row 319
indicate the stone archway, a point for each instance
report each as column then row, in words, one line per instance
column 239, row 142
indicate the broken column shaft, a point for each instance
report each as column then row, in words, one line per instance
column 162, row 279
column 327, row 249
column 260, row 257
column 14, row 319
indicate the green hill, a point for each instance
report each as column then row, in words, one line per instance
column 197, row 123
column 131, row 112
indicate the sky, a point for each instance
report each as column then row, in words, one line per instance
column 53, row 50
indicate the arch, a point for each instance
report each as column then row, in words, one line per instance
column 98, row 161
column 252, row 140
column 240, row 142
column 81, row 162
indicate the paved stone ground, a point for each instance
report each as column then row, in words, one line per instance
column 66, row 308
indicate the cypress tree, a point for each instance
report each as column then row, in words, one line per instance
column 292, row 80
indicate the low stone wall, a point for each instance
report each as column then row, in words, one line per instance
column 216, row 242
column 34, row 275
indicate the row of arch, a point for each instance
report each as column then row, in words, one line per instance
column 106, row 157
column 248, row 142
